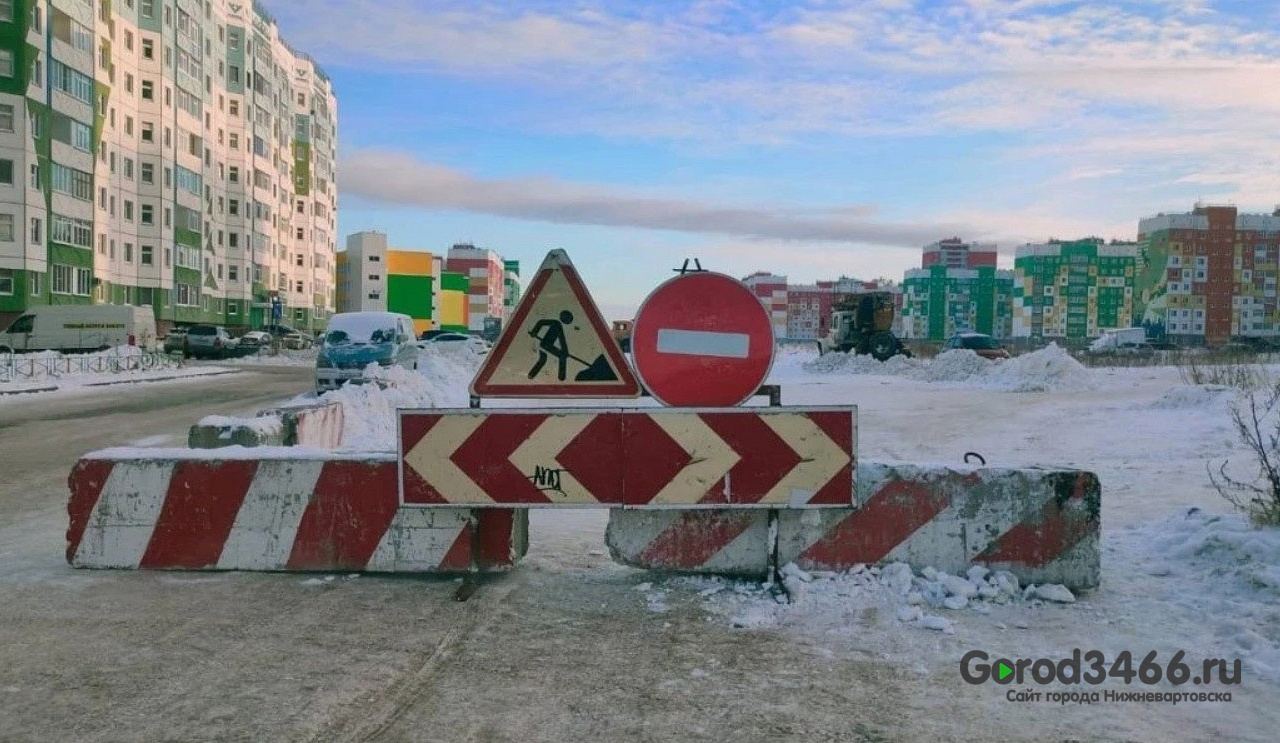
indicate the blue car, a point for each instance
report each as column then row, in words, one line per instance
column 353, row 340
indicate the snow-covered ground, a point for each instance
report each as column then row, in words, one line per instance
column 286, row 357
column 1181, row 570
column 49, row 371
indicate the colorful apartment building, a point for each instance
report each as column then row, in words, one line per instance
column 957, row 287
column 940, row 301
column 455, row 291
column 510, row 287
column 1209, row 274
column 371, row 277
column 166, row 153
column 487, row 277
column 1073, row 290
column 772, row 291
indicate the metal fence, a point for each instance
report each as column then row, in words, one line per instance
column 18, row 367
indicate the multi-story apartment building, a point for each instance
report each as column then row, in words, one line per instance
column 957, row 287
column 939, row 301
column 1210, row 274
column 510, row 287
column 772, row 291
column 175, row 153
column 484, row 268
column 1073, row 290
column 375, row 278
column 956, row 253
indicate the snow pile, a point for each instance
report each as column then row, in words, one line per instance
column 930, row 600
column 266, row 425
column 1050, row 368
column 1196, row 396
column 369, row 410
column 286, row 357
column 957, row 365
column 1223, row 569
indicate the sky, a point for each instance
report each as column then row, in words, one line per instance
column 812, row 138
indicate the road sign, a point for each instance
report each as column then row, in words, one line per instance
column 556, row 344
column 708, row 458
column 702, row 339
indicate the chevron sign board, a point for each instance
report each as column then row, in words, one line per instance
column 633, row 457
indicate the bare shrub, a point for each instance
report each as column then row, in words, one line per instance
column 1228, row 370
column 1257, row 423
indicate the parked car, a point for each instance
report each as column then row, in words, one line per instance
column 290, row 337
column 980, row 343
column 255, row 339
column 176, row 340
column 353, row 340
column 80, row 328
column 210, row 342
column 456, row 342
column 429, row 334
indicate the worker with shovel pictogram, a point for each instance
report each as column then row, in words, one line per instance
column 554, row 343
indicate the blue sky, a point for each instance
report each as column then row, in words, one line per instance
column 812, row 138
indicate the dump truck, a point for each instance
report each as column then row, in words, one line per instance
column 622, row 334
column 863, row 324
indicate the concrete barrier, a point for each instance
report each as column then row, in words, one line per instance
column 316, row 425
column 1043, row 525
column 278, row 511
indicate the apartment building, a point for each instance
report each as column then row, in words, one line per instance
column 1073, row 290
column 957, row 287
column 176, row 153
column 487, row 278
column 1210, row 274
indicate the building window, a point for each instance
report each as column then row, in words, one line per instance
column 299, row 260
column 233, row 108
column 298, row 287
column 6, row 172
column 148, row 90
column 148, row 9
column 148, row 49
column 34, row 281
column 6, row 281
column 233, row 273
column 148, row 214
column 233, row 239
column 128, row 252
column 36, row 232
column 374, row 258
column 128, row 168
column 300, row 233
column 6, row 228
column 6, row 63
column 148, row 172
column 128, row 210
column 233, row 141
column 6, row 117
column 147, row 255
column 233, row 173
column 233, row 207
column 373, row 277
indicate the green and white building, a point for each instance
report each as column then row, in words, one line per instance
column 176, row 153
column 1073, row 290
column 941, row 300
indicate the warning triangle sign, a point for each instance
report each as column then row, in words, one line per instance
column 556, row 344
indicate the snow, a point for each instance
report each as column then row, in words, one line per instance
column 369, row 410
column 266, row 425
column 1050, row 368
column 286, row 357
column 307, row 453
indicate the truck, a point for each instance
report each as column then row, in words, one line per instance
column 863, row 324
column 80, row 328
column 1120, row 340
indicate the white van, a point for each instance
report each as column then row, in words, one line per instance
column 79, row 328
column 353, row 340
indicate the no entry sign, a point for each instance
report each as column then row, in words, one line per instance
column 702, row 339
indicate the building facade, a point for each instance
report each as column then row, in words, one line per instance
column 1073, row 290
column 373, row 277
column 510, row 287
column 361, row 275
column 455, row 301
column 1209, row 274
column 487, row 280
column 772, row 292
column 956, row 253
column 940, row 301
column 177, row 154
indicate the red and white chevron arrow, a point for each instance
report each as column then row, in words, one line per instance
column 764, row 457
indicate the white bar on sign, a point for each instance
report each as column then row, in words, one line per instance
column 704, row 343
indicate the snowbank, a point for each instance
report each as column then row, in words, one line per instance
column 1197, row 396
column 266, row 425
column 284, row 358
column 369, row 410
column 1047, row 369
column 1222, row 568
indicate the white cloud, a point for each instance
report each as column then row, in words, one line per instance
column 401, row 178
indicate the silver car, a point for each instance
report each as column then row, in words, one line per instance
column 210, row 342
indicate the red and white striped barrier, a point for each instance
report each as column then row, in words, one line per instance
column 1040, row 524
column 196, row 512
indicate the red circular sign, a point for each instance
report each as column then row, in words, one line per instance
column 702, row 339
